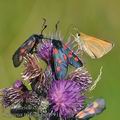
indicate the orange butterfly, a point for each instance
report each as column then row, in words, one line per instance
column 93, row 46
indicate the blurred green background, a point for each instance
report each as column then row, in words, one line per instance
column 21, row 18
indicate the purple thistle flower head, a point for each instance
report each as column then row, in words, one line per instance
column 13, row 94
column 45, row 50
column 39, row 80
column 18, row 84
column 65, row 98
column 82, row 77
column 32, row 69
column 18, row 93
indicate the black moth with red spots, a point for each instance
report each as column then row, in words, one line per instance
column 62, row 56
column 27, row 47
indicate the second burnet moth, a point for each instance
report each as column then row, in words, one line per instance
column 94, row 108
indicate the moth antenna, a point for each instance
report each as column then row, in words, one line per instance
column 56, row 26
column 44, row 26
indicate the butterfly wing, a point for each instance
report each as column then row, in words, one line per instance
column 24, row 49
column 59, row 65
column 94, row 47
column 94, row 108
column 73, row 59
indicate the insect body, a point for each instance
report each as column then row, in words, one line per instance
column 94, row 108
column 94, row 47
column 62, row 56
column 20, row 111
column 27, row 47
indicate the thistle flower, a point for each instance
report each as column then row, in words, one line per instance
column 50, row 99
column 43, row 113
column 42, row 83
column 18, row 93
column 82, row 77
column 45, row 50
column 65, row 98
column 13, row 94
column 32, row 69
column 39, row 80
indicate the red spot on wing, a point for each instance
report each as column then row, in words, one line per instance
column 70, row 54
column 65, row 57
column 22, row 50
column 81, row 114
column 58, row 69
column 59, row 61
column 76, row 59
column 65, row 47
column 55, row 51
column 91, row 111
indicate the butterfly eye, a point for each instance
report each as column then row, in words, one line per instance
column 78, row 34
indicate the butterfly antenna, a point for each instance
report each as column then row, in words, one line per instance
column 44, row 26
column 76, row 29
column 55, row 34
